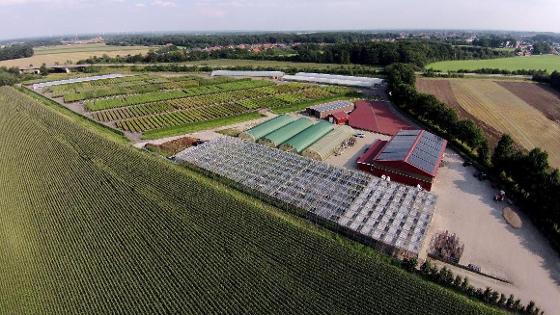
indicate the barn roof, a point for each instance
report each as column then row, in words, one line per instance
column 417, row 148
column 327, row 145
column 282, row 134
column 340, row 115
column 266, row 127
column 307, row 137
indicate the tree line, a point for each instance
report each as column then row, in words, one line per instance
column 446, row 278
column 225, row 39
column 16, row 52
column 527, row 176
column 553, row 79
column 417, row 52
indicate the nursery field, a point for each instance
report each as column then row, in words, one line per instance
column 501, row 109
column 143, row 103
column 90, row 226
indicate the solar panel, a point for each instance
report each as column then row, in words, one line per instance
column 425, row 155
column 397, row 148
column 330, row 106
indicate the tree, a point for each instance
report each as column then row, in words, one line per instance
column 502, row 300
column 43, row 69
column 469, row 133
column 530, row 308
column 401, row 73
column 510, row 301
column 410, row 264
column 504, row 153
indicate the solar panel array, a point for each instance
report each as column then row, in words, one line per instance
column 331, row 106
column 386, row 212
column 425, row 155
column 399, row 146
column 42, row 85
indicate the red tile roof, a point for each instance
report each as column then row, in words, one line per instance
column 376, row 117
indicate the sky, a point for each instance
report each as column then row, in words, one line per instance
column 28, row 18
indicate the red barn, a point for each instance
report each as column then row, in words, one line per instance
column 411, row 157
column 339, row 118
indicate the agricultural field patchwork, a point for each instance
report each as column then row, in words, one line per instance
column 500, row 106
column 143, row 103
column 90, row 226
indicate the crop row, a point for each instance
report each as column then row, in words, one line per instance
column 60, row 90
column 122, row 101
column 141, row 124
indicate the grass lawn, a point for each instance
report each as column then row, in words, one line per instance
column 548, row 62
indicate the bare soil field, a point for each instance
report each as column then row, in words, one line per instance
column 539, row 96
column 505, row 112
column 521, row 256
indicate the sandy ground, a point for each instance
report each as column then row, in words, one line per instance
column 521, row 256
column 349, row 156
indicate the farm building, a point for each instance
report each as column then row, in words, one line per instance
column 322, row 111
column 256, row 74
column 283, row 134
column 411, row 157
column 304, row 139
column 334, row 79
column 265, row 128
column 329, row 144
column 338, row 118
column 376, row 117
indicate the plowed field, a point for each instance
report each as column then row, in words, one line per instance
column 526, row 119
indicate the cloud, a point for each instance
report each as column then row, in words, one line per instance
column 163, row 3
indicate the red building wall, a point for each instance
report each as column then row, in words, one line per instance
column 400, row 178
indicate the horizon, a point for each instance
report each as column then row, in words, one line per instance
column 65, row 17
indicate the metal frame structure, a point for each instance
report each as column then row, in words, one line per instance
column 393, row 216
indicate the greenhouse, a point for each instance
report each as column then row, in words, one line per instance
column 42, row 85
column 329, row 144
column 307, row 137
column 387, row 215
column 283, row 134
column 341, row 77
column 265, row 128
column 262, row 74
column 333, row 79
